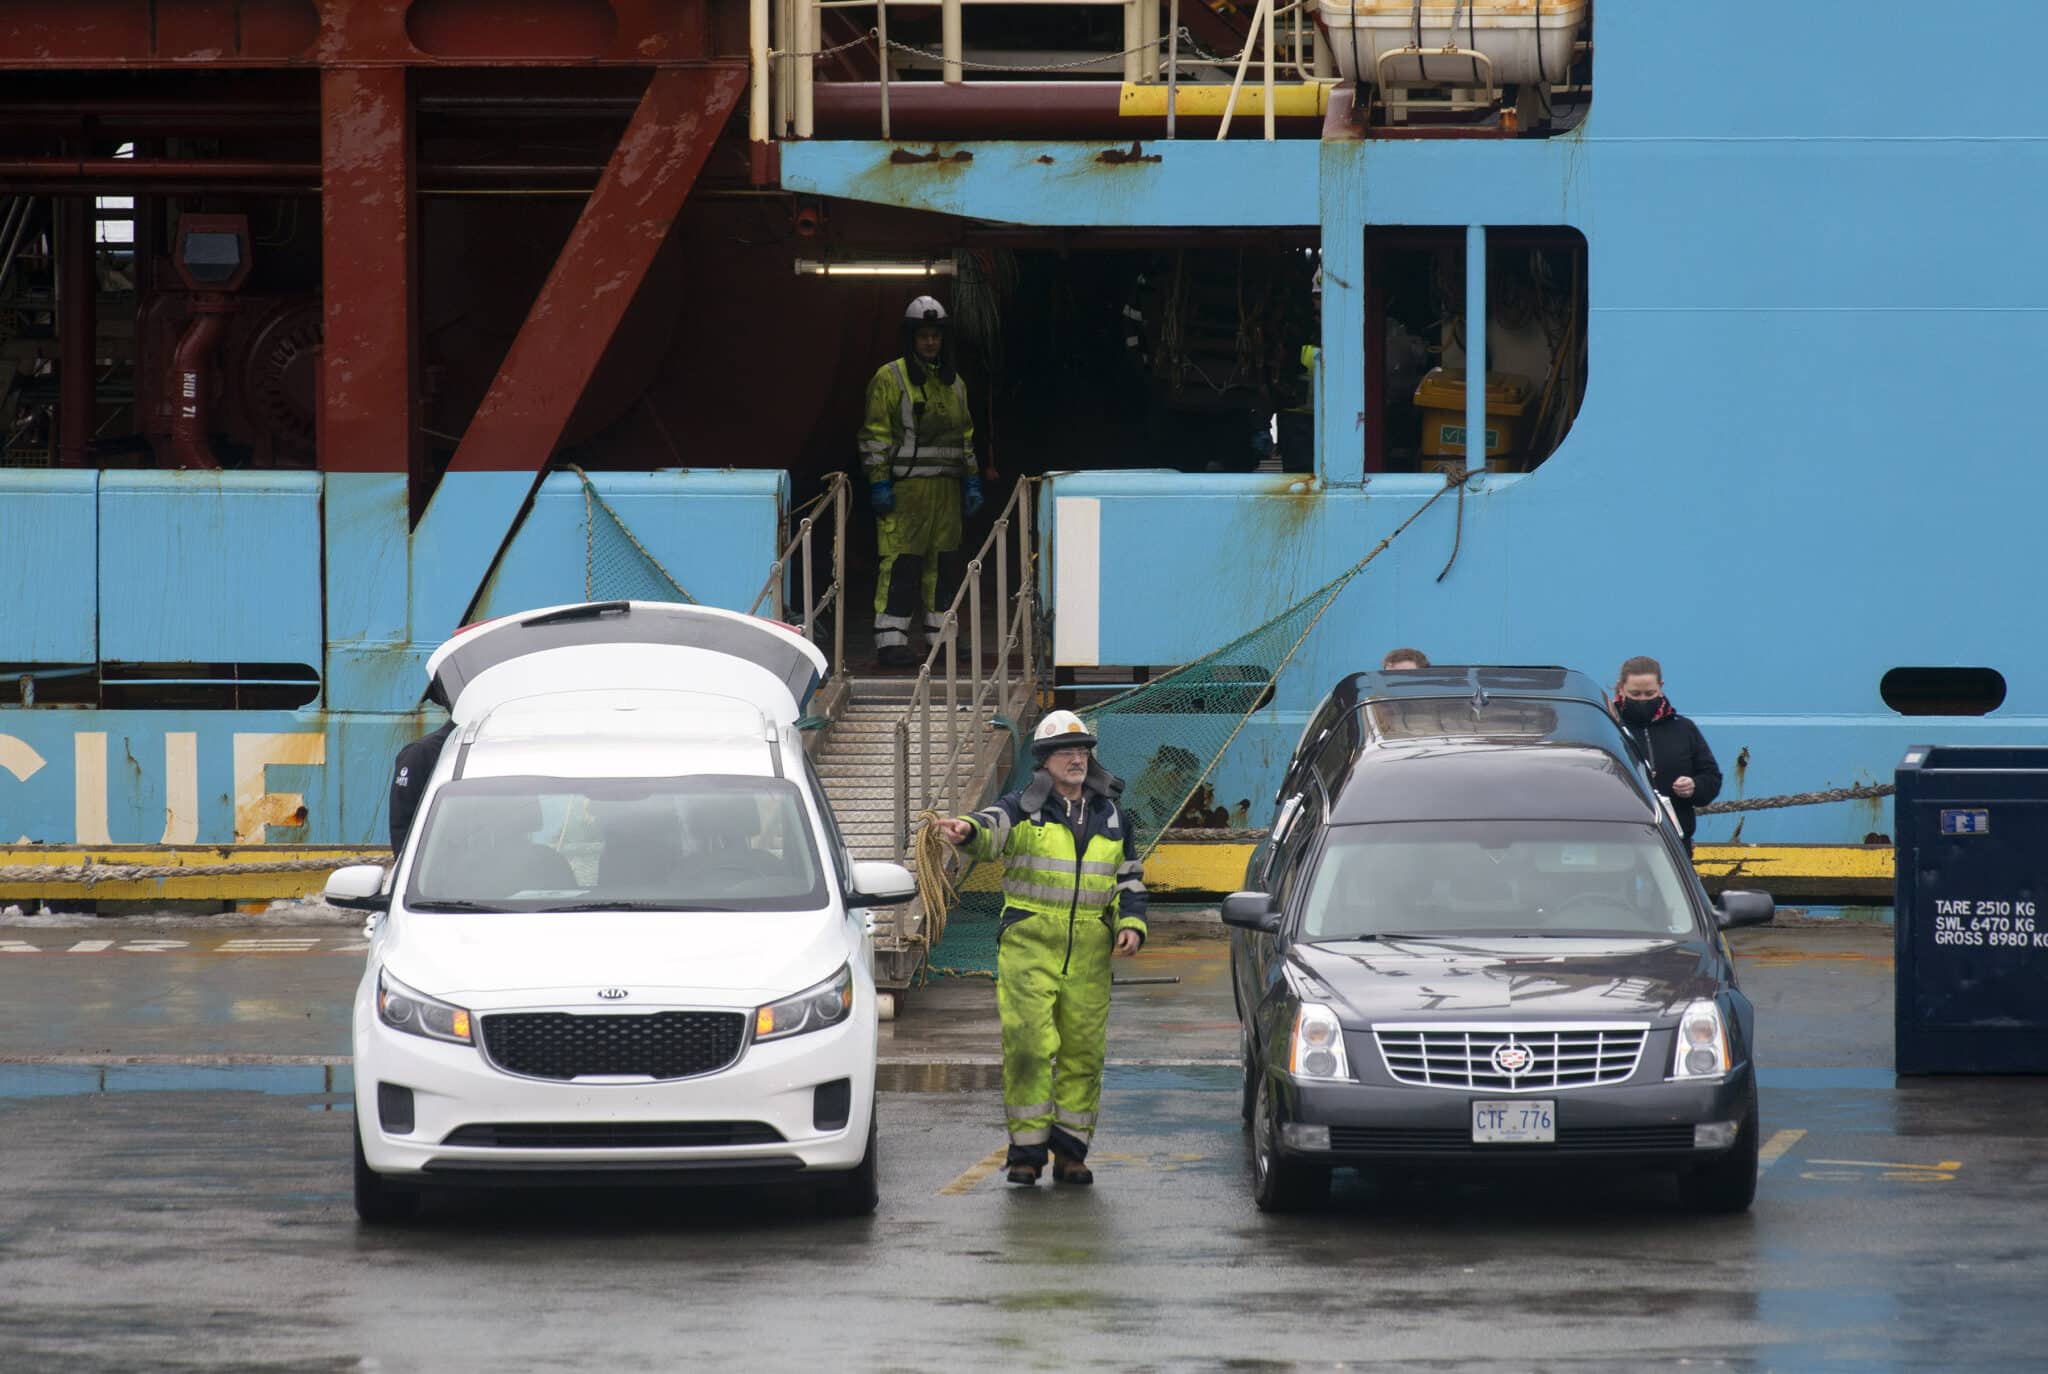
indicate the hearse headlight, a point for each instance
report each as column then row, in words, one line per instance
column 1318, row 1048
column 1702, row 1050
column 815, row 1008
column 402, row 1009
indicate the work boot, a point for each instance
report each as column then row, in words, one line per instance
column 1066, row 1169
column 894, row 656
column 1025, row 1175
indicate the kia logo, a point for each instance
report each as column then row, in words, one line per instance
column 612, row 994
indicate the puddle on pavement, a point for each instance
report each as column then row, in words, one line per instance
column 967, row 1078
column 85, row 1080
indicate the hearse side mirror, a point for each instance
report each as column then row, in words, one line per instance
column 359, row 887
column 879, row 884
column 1251, row 911
column 1742, row 908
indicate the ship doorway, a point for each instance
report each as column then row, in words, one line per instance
column 1415, row 336
column 1091, row 352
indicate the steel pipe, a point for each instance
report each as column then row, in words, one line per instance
column 928, row 110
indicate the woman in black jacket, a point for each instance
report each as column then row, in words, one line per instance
column 1681, row 765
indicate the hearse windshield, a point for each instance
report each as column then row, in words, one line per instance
column 707, row 843
column 1494, row 878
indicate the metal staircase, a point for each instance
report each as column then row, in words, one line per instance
column 889, row 749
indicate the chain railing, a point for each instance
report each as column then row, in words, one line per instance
column 800, row 559
column 949, row 754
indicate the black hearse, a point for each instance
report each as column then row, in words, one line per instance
column 1476, row 940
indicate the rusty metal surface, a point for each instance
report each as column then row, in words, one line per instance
column 1009, row 109
column 35, row 35
column 77, row 305
column 367, row 416
column 623, row 225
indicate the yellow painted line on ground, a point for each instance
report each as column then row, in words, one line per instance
column 988, row 1164
column 1299, row 99
column 1776, row 1148
column 1948, row 1166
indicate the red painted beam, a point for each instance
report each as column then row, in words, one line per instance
column 600, row 269
column 193, row 35
column 369, row 225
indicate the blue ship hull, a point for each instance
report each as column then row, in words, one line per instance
column 1805, row 456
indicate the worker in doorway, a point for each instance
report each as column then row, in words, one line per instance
column 917, row 450
column 412, row 771
column 1682, row 767
column 1073, row 898
column 1399, row 660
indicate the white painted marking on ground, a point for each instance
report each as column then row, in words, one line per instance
column 152, row 946
column 90, row 946
column 250, row 946
column 17, row 947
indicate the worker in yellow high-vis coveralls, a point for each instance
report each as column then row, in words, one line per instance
column 1073, row 897
column 917, row 451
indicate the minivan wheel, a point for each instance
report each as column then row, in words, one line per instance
column 380, row 1202
column 1280, row 1183
column 856, row 1192
column 1729, row 1183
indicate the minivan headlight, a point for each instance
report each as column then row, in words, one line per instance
column 826, row 1004
column 1702, row 1049
column 415, row 1013
column 1318, row 1048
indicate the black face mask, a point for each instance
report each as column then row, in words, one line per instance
column 1634, row 712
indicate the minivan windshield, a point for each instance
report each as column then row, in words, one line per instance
column 1494, row 878
column 704, row 843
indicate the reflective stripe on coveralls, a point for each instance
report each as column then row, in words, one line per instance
column 1052, row 963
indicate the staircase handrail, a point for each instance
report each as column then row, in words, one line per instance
column 992, row 690
column 802, row 553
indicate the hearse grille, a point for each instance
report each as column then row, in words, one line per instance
column 1432, row 1140
column 662, row 1044
column 1511, row 1058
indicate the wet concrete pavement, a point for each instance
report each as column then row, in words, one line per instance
column 191, row 1210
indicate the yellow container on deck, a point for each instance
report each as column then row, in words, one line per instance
column 1441, row 397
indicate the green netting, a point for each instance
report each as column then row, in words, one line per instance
column 1164, row 739
column 615, row 566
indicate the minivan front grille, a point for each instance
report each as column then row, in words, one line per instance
column 662, row 1044
column 611, row 1135
column 1509, row 1058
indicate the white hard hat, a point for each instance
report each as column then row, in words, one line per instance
column 925, row 310
column 1060, row 730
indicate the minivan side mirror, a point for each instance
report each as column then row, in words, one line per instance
column 1738, row 907
column 880, row 884
column 359, row 887
column 1251, row 911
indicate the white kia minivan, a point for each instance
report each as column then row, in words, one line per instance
column 624, row 943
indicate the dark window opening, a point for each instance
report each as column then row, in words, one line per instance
column 161, row 686
column 1415, row 342
column 1943, row 691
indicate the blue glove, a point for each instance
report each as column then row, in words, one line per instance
column 882, row 496
column 974, row 501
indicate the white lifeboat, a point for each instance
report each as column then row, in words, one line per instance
column 1432, row 42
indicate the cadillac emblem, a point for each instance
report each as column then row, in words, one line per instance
column 1513, row 1059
